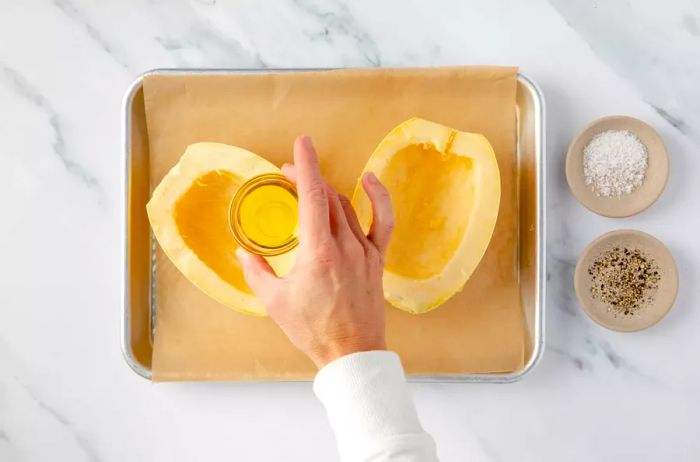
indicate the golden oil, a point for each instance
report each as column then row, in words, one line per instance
column 264, row 215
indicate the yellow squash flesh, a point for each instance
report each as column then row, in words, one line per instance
column 445, row 188
column 188, row 212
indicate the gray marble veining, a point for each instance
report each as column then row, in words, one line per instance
column 24, row 89
column 65, row 393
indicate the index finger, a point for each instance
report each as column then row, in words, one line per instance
column 314, row 221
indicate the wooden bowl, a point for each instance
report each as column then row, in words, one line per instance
column 628, row 204
column 648, row 314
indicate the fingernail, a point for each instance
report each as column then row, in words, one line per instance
column 372, row 178
column 306, row 141
column 241, row 254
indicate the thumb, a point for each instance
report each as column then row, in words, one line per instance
column 256, row 270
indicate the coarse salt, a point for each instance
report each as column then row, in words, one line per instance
column 615, row 163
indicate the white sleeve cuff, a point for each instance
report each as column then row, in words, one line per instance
column 370, row 409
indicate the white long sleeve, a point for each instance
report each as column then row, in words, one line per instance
column 371, row 411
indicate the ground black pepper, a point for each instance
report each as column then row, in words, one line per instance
column 625, row 279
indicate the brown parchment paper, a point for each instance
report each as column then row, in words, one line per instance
column 347, row 113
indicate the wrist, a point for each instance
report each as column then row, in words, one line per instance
column 333, row 350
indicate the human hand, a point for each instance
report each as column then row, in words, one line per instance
column 331, row 304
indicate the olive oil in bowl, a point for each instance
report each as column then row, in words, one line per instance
column 264, row 215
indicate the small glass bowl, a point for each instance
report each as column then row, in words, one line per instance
column 234, row 222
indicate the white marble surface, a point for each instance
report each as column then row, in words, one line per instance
column 65, row 391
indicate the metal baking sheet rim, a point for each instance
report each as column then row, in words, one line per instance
column 540, row 288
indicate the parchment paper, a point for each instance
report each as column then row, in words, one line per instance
column 347, row 113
